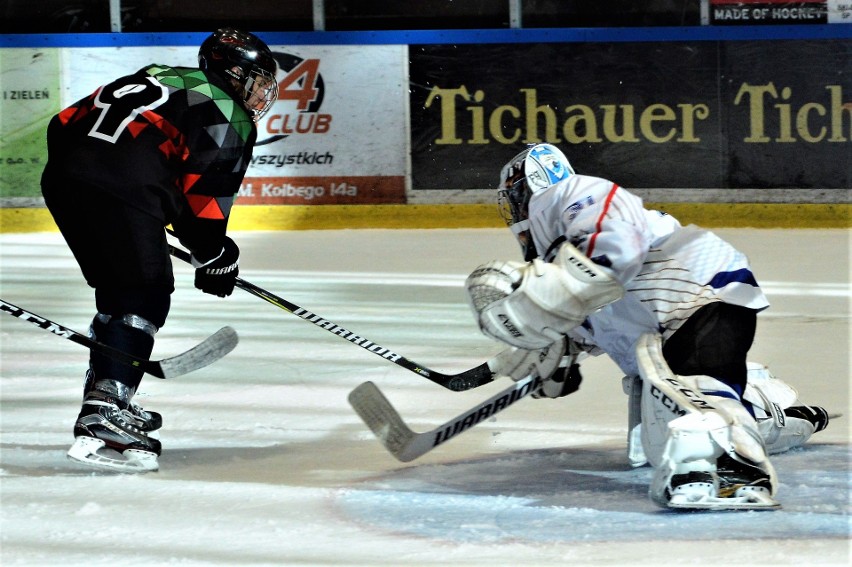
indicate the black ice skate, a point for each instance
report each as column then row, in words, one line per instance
column 109, row 436
column 146, row 421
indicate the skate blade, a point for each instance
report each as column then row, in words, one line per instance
column 746, row 498
column 93, row 453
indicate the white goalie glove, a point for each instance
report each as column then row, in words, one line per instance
column 555, row 364
column 518, row 363
column 532, row 305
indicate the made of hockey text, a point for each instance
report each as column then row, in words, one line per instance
column 745, row 14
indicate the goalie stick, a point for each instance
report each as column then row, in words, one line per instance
column 208, row 351
column 404, row 443
column 473, row 378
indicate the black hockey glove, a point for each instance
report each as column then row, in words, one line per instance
column 566, row 380
column 219, row 275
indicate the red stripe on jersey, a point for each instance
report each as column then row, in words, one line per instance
column 599, row 224
column 188, row 180
column 205, row 207
column 66, row 115
column 175, row 144
column 136, row 127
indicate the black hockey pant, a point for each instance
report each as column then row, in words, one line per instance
column 714, row 342
column 123, row 254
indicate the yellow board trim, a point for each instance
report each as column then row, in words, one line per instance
column 326, row 217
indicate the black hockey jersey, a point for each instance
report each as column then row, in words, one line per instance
column 171, row 141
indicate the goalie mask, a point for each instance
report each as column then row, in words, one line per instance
column 246, row 63
column 534, row 169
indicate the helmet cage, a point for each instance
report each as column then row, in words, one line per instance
column 259, row 86
column 513, row 201
column 513, row 195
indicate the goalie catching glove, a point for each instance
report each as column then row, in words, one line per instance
column 532, row 305
column 218, row 276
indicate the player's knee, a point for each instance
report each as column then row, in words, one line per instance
column 149, row 304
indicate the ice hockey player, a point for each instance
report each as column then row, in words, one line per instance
column 600, row 272
column 164, row 145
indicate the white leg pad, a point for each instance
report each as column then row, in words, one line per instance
column 632, row 386
column 695, row 443
column 769, row 396
column 712, row 456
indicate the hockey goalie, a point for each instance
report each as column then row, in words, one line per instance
column 675, row 307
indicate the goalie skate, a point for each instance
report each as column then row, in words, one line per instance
column 713, row 457
column 702, row 496
column 94, row 453
column 733, row 486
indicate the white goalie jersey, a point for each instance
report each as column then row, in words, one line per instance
column 668, row 271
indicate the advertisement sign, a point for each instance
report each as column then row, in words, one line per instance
column 337, row 134
column 30, row 97
column 756, row 12
column 647, row 115
column 338, row 131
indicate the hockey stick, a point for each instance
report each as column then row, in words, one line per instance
column 473, row 378
column 406, row 445
column 208, row 351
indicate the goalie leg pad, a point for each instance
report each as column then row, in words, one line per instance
column 713, row 456
column 632, row 386
column 714, row 459
column 783, row 421
column 698, row 473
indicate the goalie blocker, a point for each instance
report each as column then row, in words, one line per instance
column 532, row 305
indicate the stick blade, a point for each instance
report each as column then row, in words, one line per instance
column 203, row 354
column 383, row 420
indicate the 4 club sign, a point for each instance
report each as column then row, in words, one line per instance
column 301, row 92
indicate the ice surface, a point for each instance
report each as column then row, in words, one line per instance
column 265, row 463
